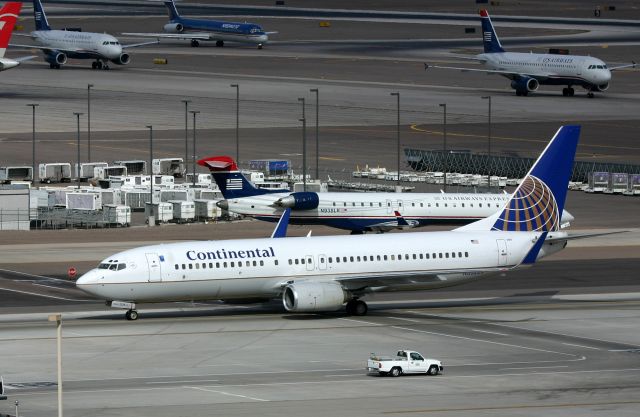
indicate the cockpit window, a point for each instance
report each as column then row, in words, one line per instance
column 103, row 266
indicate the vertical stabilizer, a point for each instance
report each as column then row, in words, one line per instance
column 232, row 183
column 489, row 35
column 8, row 17
column 171, row 9
column 537, row 203
column 39, row 16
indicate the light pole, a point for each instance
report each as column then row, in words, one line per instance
column 304, row 145
column 58, row 319
column 315, row 90
column 489, row 142
column 397, row 94
column 446, row 154
column 151, row 221
column 194, row 112
column 237, row 87
column 33, row 143
column 78, row 120
column 186, row 130
column 89, row 122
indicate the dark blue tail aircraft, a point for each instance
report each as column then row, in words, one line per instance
column 197, row 30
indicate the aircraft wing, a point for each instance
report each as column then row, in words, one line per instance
column 66, row 50
column 574, row 236
column 632, row 65
column 508, row 74
column 376, row 283
column 135, row 45
column 201, row 36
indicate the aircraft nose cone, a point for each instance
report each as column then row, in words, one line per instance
column 223, row 204
column 87, row 280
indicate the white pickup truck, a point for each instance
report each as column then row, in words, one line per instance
column 405, row 362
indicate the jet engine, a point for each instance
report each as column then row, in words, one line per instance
column 299, row 201
column 173, row 28
column 601, row 87
column 309, row 297
column 123, row 59
column 525, row 85
column 59, row 58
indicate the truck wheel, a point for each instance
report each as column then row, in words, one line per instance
column 395, row 371
column 433, row 370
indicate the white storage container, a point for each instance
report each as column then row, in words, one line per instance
column 183, row 211
column 163, row 212
column 117, row 214
column 207, row 209
column 83, row 201
column 54, row 172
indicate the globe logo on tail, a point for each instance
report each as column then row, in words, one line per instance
column 532, row 208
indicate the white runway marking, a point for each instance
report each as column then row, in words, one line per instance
column 535, row 367
column 46, row 296
column 183, row 382
column 402, row 318
column 486, row 331
column 228, row 393
column 582, row 346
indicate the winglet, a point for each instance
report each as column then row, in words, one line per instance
column 8, row 17
column 281, row 227
column 401, row 220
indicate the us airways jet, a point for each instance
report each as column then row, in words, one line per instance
column 327, row 273
column 358, row 212
column 198, row 30
column 527, row 71
column 8, row 17
column 59, row 45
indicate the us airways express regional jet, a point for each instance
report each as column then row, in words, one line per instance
column 527, row 71
column 316, row 274
column 358, row 212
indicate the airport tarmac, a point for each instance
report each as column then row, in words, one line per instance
column 559, row 338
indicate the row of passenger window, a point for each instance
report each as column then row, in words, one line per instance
column 213, row 265
column 379, row 204
column 372, row 258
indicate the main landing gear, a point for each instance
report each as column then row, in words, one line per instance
column 97, row 64
column 357, row 307
column 568, row 92
column 195, row 43
column 54, row 66
column 219, row 44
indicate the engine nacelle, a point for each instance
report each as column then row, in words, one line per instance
column 59, row 58
column 173, row 28
column 299, row 201
column 123, row 59
column 309, row 297
column 525, row 84
column 600, row 87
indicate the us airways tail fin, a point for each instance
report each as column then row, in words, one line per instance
column 232, row 183
column 171, row 9
column 539, row 200
column 489, row 35
column 8, row 18
column 39, row 16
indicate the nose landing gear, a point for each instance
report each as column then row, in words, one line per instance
column 131, row 315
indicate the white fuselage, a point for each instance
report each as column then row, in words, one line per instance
column 84, row 44
column 426, row 208
column 557, row 68
column 241, row 269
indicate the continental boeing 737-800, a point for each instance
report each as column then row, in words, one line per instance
column 358, row 212
column 527, row 71
column 58, row 45
column 316, row 274
column 197, row 30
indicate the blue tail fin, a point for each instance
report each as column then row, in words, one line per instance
column 39, row 16
column 537, row 203
column 171, row 8
column 489, row 35
column 230, row 180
